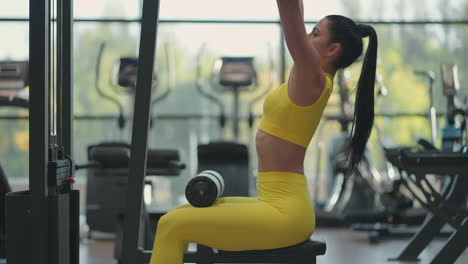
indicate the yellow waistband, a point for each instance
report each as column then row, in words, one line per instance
column 281, row 177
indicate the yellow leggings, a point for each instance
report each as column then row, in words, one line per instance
column 282, row 215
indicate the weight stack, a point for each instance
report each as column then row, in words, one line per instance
column 63, row 233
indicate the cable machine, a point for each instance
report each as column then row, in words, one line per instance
column 43, row 221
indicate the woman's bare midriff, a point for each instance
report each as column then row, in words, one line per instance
column 278, row 155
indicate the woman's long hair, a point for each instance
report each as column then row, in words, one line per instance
column 349, row 35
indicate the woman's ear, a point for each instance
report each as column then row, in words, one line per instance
column 334, row 49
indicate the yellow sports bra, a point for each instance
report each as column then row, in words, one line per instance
column 285, row 119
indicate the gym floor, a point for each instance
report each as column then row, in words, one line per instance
column 343, row 246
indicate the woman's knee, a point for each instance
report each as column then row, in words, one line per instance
column 175, row 225
column 167, row 218
column 167, row 227
column 172, row 220
column 166, row 222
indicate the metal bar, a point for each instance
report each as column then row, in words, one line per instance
column 66, row 119
column 201, row 116
column 161, row 117
column 52, row 83
column 112, row 117
column 198, row 21
column 430, row 228
column 141, row 112
column 58, row 72
column 454, row 247
column 67, row 76
column 39, row 40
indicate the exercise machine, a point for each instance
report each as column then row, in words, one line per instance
column 42, row 222
column 449, row 206
column 108, row 165
column 14, row 77
column 132, row 253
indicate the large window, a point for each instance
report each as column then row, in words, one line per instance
column 404, row 48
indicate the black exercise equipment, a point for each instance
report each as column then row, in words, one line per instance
column 204, row 189
column 448, row 207
column 108, row 180
column 13, row 74
column 107, row 188
column 399, row 212
column 42, row 223
column 302, row 253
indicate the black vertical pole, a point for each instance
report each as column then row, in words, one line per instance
column 39, row 44
column 141, row 113
column 65, row 69
column 66, row 75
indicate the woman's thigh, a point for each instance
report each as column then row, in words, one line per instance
column 232, row 226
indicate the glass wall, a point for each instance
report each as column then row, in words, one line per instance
column 185, row 119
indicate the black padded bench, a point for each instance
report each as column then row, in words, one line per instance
column 303, row 253
column 113, row 156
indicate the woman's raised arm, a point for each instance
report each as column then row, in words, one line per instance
column 292, row 22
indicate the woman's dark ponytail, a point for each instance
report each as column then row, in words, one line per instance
column 349, row 34
column 364, row 105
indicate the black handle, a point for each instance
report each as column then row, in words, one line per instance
column 426, row 144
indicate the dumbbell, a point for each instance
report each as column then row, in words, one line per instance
column 204, row 189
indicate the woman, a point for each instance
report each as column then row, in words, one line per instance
column 282, row 214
